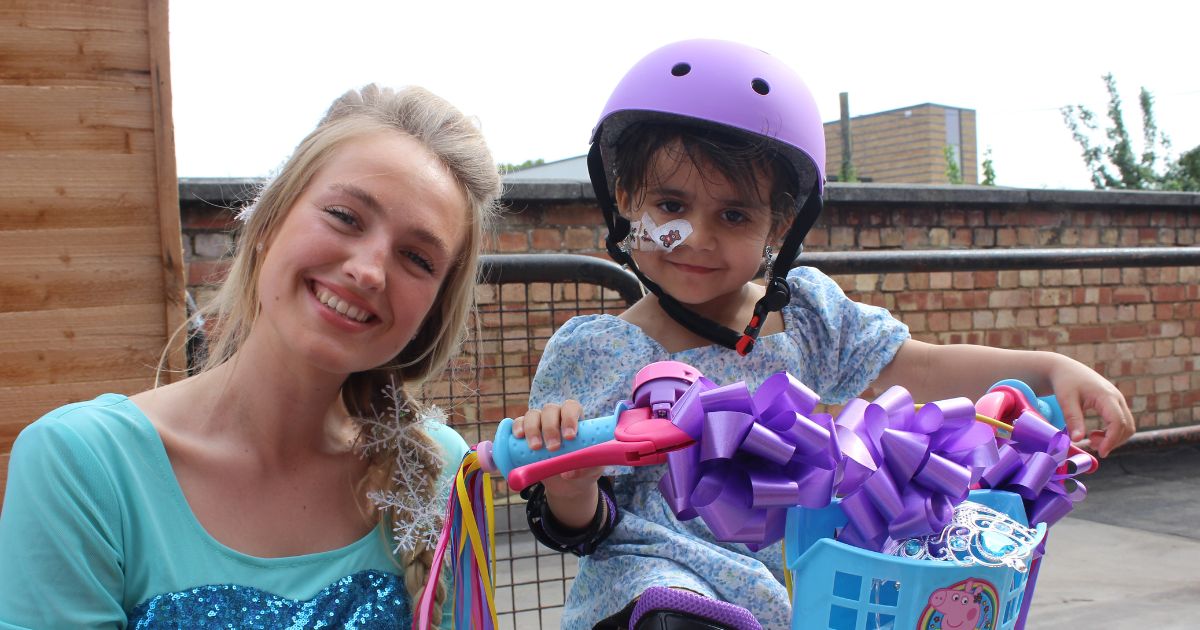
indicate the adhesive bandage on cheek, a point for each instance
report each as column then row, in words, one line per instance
column 646, row 235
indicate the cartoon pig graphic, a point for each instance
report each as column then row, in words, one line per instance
column 960, row 609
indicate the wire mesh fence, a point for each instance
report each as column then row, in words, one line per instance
column 490, row 380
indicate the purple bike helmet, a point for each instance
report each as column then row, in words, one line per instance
column 730, row 86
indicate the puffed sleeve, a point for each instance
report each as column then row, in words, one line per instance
column 844, row 343
column 553, row 378
column 590, row 359
column 60, row 534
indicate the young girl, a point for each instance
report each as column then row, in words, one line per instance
column 265, row 491
column 714, row 153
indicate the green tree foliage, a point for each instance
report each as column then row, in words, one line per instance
column 953, row 173
column 1184, row 174
column 509, row 168
column 847, row 172
column 1113, row 162
column 989, row 169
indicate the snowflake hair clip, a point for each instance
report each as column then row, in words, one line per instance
column 398, row 430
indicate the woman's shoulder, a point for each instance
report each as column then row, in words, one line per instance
column 78, row 456
column 452, row 444
column 98, row 425
column 453, row 448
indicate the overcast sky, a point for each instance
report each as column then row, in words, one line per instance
column 251, row 77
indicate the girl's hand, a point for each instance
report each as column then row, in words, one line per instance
column 1079, row 388
column 573, row 495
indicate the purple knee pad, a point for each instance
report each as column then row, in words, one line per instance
column 721, row 613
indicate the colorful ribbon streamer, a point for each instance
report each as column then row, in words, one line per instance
column 906, row 468
column 756, row 456
column 1034, row 462
column 471, row 534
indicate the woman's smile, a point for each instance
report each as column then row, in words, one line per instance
column 356, row 265
column 341, row 307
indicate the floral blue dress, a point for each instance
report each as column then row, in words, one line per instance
column 834, row 345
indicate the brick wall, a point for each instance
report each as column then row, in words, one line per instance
column 1138, row 326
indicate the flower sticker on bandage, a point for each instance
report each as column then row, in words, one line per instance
column 645, row 235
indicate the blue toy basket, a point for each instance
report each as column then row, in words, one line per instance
column 841, row 587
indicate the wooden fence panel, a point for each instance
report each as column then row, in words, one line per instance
column 91, row 274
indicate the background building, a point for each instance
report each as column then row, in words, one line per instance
column 906, row 145
column 902, row 146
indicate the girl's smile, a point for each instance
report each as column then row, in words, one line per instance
column 687, row 268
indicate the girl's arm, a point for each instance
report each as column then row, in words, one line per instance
column 578, row 362
column 935, row 372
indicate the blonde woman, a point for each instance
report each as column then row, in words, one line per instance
column 290, row 483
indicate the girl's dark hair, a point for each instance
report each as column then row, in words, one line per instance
column 738, row 157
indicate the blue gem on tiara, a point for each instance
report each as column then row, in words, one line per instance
column 977, row 536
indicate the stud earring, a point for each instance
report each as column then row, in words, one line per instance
column 259, row 247
column 626, row 243
column 768, row 261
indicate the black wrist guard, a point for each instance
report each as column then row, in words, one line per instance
column 558, row 537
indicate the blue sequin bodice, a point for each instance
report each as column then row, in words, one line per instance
column 364, row 600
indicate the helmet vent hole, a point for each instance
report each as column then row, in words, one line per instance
column 760, row 86
column 681, row 69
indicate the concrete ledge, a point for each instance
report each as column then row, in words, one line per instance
column 996, row 195
column 924, row 194
column 233, row 191
column 225, row 192
column 548, row 190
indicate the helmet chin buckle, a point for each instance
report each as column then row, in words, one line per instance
column 778, row 295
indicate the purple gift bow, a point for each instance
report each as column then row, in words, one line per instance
column 905, row 469
column 757, row 455
column 1034, row 463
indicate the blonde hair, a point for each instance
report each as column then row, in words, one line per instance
column 460, row 146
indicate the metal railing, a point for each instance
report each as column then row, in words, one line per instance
column 901, row 261
column 505, row 268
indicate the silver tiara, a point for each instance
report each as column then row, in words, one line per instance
column 977, row 536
